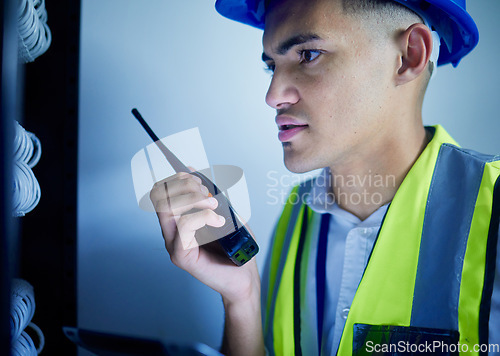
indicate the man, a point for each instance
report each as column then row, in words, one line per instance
column 407, row 262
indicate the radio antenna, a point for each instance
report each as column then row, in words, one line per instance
column 176, row 164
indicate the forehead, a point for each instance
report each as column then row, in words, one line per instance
column 286, row 18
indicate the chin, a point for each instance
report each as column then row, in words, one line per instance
column 297, row 166
column 300, row 160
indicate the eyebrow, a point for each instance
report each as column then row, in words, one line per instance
column 286, row 45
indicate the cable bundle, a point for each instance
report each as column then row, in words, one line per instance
column 27, row 152
column 34, row 34
column 21, row 312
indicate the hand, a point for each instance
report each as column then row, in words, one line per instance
column 183, row 206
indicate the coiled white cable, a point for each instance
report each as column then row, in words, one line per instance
column 33, row 32
column 27, row 147
column 21, row 312
column 26, row 189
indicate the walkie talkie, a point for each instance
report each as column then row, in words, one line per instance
column 235, row 239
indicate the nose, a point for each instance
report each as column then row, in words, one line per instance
column 282, row 92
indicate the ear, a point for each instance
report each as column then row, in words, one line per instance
column 416, row 46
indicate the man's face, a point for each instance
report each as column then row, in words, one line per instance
column 331, row 84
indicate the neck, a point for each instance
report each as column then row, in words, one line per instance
column 371, row 180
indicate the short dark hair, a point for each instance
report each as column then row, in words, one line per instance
column 357, row 6
column 385, row 8
column 353, row 6
column 388, row 7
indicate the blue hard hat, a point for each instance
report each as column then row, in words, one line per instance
column 458, row 32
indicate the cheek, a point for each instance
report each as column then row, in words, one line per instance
column 336, row 97
column 339, row 94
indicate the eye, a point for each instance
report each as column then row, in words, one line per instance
column 308, row 55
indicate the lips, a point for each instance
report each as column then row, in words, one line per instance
column 289, row 127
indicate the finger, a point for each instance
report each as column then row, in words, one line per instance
column 182, row 204
column 181, row 184
column 169, row 216
column 179, row 175
column 187, row 225
column 168, row 190
column 168, row 224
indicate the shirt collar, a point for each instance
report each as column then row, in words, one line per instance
column 321, row 200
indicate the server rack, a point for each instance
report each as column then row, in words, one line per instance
column 41, row 246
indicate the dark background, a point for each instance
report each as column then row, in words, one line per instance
column 41, row 246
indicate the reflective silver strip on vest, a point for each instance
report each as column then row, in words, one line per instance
column 450, row 206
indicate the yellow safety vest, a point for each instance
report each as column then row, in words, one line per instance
column 429, row 278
